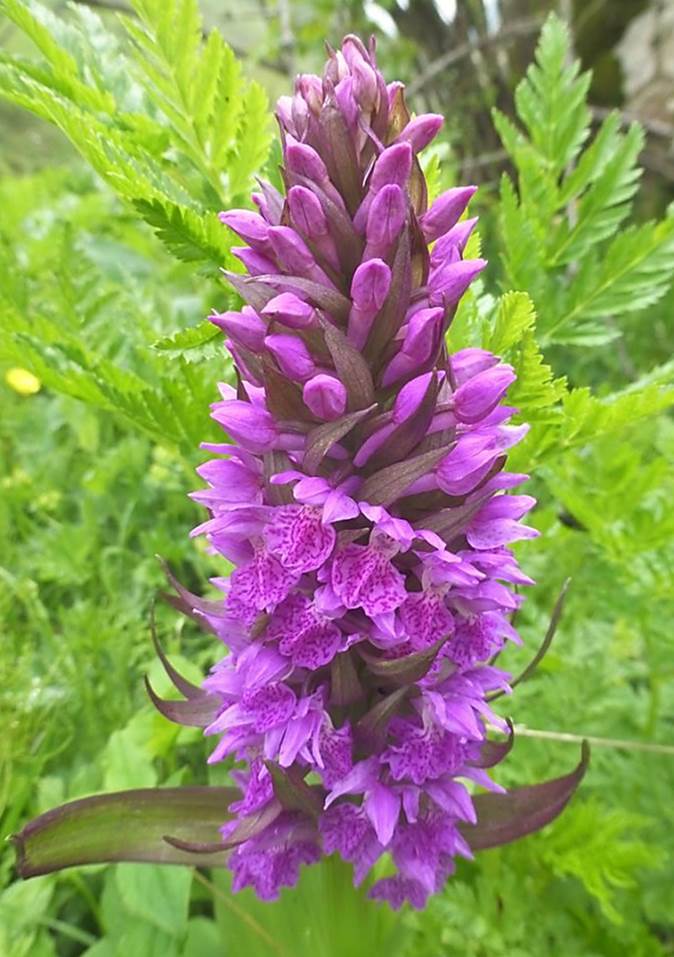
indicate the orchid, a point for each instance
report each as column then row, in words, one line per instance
column 361, row 495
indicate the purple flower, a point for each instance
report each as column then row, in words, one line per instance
column 363, row 502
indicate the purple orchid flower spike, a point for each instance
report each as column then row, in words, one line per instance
column 364, row 504
column 378, row 583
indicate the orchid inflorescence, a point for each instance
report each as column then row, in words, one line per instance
column 363, row 504
column 365, row 508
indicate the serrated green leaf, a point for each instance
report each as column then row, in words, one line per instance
column 515, row 315
column 187, row 339
column 191, row 236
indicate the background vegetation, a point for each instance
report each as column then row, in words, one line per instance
column 124, row 137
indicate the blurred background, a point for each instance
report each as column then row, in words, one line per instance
column 458, row 57
column 105, row 378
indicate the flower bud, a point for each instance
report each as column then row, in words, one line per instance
column 250, row 226
column 450, row 283
column 308, row 216
column 421, row 130
column 369, row 289
column 469, row 362
column 393, row 167
column 256, row 263
column 422, row 338
column 290, row 310
column 325, row 396
column 292, row 355
column 303, row 160
column 346, row 102
column 477, row 397
column 245, row 327
column 248, row 424
column 385, row 221
column 445, row 211
column 454, row 239
column 310, row 89
column 293, row 254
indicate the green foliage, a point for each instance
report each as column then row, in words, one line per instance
column 562, row 235
column 83, row 282
column 166, row 118
column 95, row 470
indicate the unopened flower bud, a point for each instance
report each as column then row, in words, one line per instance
column 369, row 289
column 290, row 310
column 445, row 211
column 450, row 283
column 325, row 396
column 421, row 130
column 385, row 220
column 292, row 355
column 250, row 226
column 246, row 328
column 420, row 344
column 477, row 397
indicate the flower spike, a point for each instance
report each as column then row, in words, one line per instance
column 362, row 500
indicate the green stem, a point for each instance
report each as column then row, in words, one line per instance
column 620, row 743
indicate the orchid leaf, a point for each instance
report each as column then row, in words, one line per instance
column 123, row 826
column 405, row 670
column 320, row 439
column 390, row 483
column 502, row 818
column 292, row 792
column 177, row 680
column 195, row 712
column 493, row 752
column 550, row 632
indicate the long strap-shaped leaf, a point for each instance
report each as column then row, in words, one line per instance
column 502, row 818
column 125, row 826
column 135, row 825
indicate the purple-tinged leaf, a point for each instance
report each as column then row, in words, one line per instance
column 246, row 828
column 253, row 292
column 399, row 115
column 273, row 463
column 321, row 296
column 370, row 731
column 406, row 670
column 388, row 484
column 293, row 793
column 179, row 683
column 451, row 522
column 193, row 713
column 418, row 195
column 493, row 752
column 123, row 826
column 345, row 686
column 392, row 313
column 340, row 156
column 547, row 641
column 323, row 437
column 351, row 368
column 189, row 600
column 502, row 818
column 283, row 397
column 273, row 199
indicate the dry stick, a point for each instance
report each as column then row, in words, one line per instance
column 240, row 913
column 517, row 28
column 567, row 738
